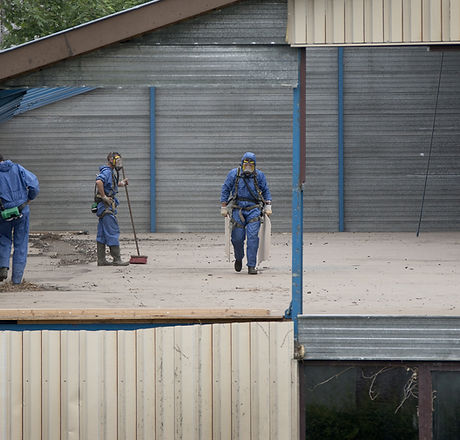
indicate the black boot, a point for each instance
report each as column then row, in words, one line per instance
column 252, row 270
column 238, row 265
column 115, row 252
column 101, row 261
column 3, row 273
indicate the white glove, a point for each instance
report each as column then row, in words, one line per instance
column 268, row 210
column 223, row 211
column 124, row 182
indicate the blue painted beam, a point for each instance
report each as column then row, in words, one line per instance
column 153, row 189
column 340, row 140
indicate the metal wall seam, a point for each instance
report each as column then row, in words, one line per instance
column 145, row 386
column 153, row 188
column 340, row 138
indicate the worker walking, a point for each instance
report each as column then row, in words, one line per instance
column 108, row 231
column 17, row 187
column 245, row 198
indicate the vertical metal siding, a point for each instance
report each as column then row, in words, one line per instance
column 211, row 381
column 389, row 107
column 65, row 143
column 354, row 22
column 321, row 186
column 202, row 134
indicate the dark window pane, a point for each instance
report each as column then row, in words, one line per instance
column 360, row 403
column 446, row 405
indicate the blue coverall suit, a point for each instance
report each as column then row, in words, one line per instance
column 108, row 231
column 17, row 186
column 245, row 227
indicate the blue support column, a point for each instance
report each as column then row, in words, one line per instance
column 153, row 189
column 298, row 179
column 297, row 218
column 340, row 139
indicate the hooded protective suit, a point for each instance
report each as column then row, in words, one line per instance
column 17, row 186
column 108, row 231
column 246, row 196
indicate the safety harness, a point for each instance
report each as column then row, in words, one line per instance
column 98, row 198
column 257, row 198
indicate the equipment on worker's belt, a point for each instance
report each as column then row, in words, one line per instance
column 135, row 259
column 94, row 208
column 13, row 213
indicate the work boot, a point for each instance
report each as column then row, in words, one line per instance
column 101, row 261
column 115, row 252
column 3, row 273
column 238, row 265
column 252, row 270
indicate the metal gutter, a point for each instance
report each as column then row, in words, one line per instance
column 100, row 33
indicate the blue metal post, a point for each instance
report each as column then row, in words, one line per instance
column 153, row 190
column 297, row 209
column 340, row 138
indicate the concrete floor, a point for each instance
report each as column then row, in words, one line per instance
column 352, row 273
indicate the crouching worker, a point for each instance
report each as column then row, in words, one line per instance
column 245, row 197
column 17, row 187
column 108, row 231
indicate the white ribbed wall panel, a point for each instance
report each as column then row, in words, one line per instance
column 372, row 22
column 219, row 381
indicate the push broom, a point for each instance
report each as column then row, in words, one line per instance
column 135, row 259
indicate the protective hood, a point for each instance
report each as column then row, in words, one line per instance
column 104, row 167
column 5, row 166
column 250, row 156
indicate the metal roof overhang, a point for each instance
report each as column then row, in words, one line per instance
column 100, row 33
column 316, row 23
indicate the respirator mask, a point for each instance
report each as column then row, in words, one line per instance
column 248, row 167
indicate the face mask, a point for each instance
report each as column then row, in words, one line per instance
column 118, row 164
column 248, row 167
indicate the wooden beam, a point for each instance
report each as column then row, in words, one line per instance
column 135, row 315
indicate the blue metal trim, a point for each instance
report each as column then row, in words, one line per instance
column 153, row 194
column 297, row 215
column 340, row 140
column 87, row 327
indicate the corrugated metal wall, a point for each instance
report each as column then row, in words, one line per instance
column 65, row 143
column 221, row 381
column 360, row 337
column 238, row 46
column 321, row 186
column 202, row 134
column 321, row 22
column 390, row 96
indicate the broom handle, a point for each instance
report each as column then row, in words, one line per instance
column 130, row 212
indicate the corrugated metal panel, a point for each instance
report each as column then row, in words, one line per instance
column 65, row 143
column 202, row 134
column 10, row 100
column 321, row 186
column 368, row 22
column 38, row 97
column 162, row 383
column 191, row 66
column 359, row 337
column 390, row 96
column 248, row 22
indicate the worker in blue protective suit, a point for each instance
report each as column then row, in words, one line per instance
column 245, row 197
column 17, row 187
column 108, row 232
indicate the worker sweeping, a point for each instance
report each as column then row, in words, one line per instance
column 108, row 231
column 17, row 187
column 246, row 200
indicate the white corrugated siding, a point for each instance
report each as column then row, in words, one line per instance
column 219, row 381
column 358, row 22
